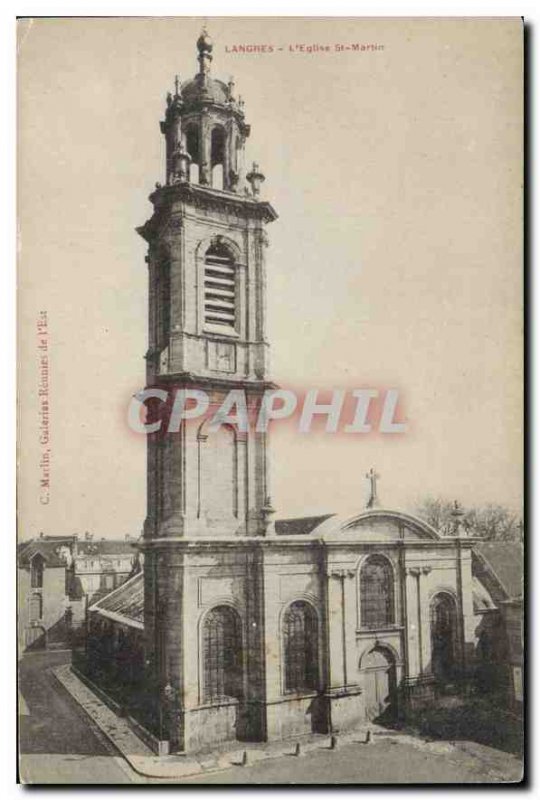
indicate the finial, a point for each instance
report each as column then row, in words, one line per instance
column 205, row 47
column 372, row 477
column 230, row 86
column 457, row 513
column 255, row 178
column 176, row 85
column 181, row 161
column 457, row 510
column 267, row 512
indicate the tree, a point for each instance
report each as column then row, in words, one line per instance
column 492, row 521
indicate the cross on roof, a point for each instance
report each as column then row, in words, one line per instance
column 372, row 477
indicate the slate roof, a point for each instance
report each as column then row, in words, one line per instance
column 47, row 549
column 501, row 565
column 105, row 547
column 298, row 526
column 124, row 604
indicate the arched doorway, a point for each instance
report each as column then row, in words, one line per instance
column 379, row 680
column 443, row 620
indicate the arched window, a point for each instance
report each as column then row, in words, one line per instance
column 443, row 621
column 376, row 593
column 217, row 157
column 219, row 290
column 222, row 654
column 300, row 647
column 36, row 572
column 193, row 148
column 35, row 610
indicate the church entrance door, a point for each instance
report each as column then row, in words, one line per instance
column 443, row 618
column 379, row 680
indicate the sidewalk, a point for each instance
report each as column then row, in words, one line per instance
column 143, row 761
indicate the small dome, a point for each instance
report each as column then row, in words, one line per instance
column 215, row 91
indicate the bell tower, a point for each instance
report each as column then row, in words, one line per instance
column 207, row 490
column 206, row 261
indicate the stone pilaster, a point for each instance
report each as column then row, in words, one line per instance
column 343, row 694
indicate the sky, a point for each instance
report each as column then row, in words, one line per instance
column 396, row 261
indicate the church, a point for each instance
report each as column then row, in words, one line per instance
column 241, row 625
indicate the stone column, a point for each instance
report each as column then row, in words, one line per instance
column 425, row 622
column 466, row 621
column 205, row 165
column 418, row 681
column 413, row 634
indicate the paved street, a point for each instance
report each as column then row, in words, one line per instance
column 386, row 761
column 58, row 743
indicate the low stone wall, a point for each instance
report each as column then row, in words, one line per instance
column 291, row 716
column 210, row 725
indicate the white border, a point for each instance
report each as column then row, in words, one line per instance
column 8, row 11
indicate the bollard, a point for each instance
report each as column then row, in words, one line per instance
column 244, row 761
column 297, row 749
column 333, row 742
column 368, row 737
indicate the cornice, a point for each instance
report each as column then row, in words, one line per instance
column 243, row 206
column 188, row 378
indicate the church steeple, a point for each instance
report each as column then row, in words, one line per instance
column 207, row 327
column 205, row 128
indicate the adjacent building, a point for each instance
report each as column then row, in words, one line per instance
column 499, row 566
column 58, row 576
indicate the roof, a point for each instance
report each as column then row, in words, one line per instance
column 500, row 565
column 105, row 547
column 482, row 600
column 298, row 526
column 375, row 525
column 48, row 550
column 213, row 90
column 124, row 604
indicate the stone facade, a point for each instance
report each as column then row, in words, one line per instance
column 254, row 630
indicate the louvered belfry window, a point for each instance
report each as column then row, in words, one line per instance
column 300, row 634
column 219, row 289
column 376, row 593
column 222, row 655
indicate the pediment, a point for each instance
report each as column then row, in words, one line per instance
column 378, row 525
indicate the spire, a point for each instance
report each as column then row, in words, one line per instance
column 372, row 477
